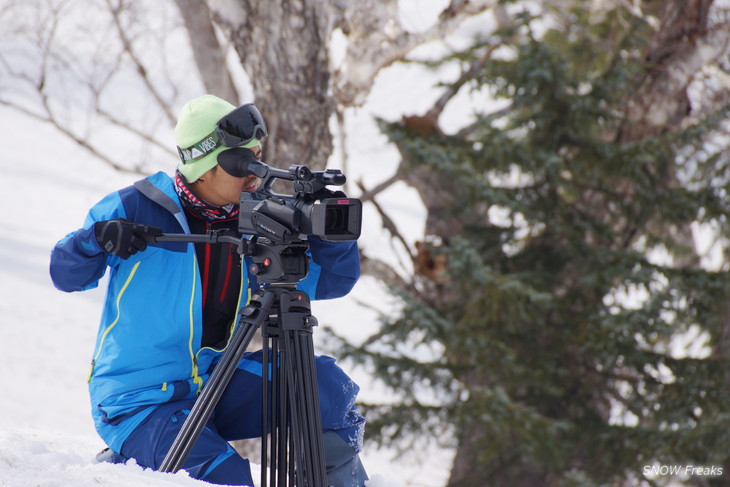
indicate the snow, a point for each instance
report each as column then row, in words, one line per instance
column 33, row 460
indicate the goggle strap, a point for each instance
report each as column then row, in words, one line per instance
column 196, row 151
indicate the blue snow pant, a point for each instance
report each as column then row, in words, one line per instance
column 238, row 416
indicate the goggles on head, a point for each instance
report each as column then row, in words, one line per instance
column 238, row 128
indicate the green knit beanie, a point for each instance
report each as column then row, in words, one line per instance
column 196, row 121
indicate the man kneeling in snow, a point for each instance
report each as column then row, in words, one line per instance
column 171, row 307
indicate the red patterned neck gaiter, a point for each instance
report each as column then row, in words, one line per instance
column 200, row 207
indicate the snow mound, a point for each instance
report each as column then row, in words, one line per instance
column 30, row 460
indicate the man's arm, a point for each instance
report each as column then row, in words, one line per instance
column 78, row 260
column 333, row 270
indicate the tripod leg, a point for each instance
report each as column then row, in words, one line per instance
column 309, row 406
column 252, row 318
column 305, row 444
column 265, row 406
column 275, row 411
column 297, row 447
column 282, row 416
column 311, row 393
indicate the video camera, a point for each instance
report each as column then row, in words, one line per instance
column 311, row 210
column 282, row 222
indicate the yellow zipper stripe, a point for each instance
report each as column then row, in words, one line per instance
column 244, row 274
column 196, row 379
column 116, row 320
column 244, row 281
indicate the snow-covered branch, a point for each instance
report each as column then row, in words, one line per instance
column 376, row 40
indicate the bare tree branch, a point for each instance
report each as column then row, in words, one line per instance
column 465, row 77
column 130, row 128
column 45, row 44
column 209, row 55
column 389, row 225
column 369, row 194
column 383, row 272
column 430, row 123
column 50, row 118
column 376, row 41
column 71, row 89
column 141, row 70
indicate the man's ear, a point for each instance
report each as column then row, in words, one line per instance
column 212, row 170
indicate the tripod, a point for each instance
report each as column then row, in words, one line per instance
column 290, row 404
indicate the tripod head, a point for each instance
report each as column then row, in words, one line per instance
column 280, row 263
column 273, row 263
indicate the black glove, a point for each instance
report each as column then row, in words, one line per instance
column 124, row 238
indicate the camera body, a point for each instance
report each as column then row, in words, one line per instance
column 282, row 223
column 287, row 218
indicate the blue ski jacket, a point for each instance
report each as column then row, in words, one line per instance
column 148, row 348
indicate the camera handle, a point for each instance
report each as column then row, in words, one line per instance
column 283, row 314
column 243, row 246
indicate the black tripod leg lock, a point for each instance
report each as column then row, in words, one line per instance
column 259, row 302
column 296, row 312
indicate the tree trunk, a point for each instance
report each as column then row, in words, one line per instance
column 463, row 471
column 284, row 47
column 469, row 471
column 210, row 57
column 681, row 47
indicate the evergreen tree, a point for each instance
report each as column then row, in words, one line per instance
column 542, row 329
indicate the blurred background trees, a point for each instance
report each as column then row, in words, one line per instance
column 561, row 326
